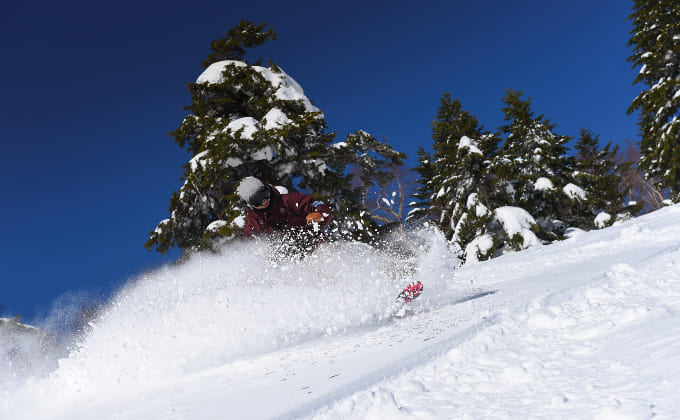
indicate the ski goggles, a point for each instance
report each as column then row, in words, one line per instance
column 259, row 197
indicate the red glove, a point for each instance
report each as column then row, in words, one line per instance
column 314, row 218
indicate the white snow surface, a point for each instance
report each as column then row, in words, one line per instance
column 516, row 220
column 249, row 126
column 286, row 87
column 574, row 191
column 587, row 328
column 467, row 143
column 482, row 244
column 275, row 118
column 544, row 184
column 602, row 219
column 216, row 225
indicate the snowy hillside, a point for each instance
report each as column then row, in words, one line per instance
column 585, row 328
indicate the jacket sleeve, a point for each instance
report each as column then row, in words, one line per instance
column 325, row 210
column 303, row 204
column 250, row 228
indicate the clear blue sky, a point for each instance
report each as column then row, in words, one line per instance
column 90, row 91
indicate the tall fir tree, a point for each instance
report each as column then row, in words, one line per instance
column 457, row 184
column 656, row 50
column 532, row 169
column 245, row 119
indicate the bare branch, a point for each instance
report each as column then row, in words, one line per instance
column 641, row 189
column 388, row 204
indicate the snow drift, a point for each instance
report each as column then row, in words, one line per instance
column 585, row 328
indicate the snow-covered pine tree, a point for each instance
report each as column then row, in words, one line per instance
column 532, row 170
column 245, row 120
column 656, row 50
column 458, row 185
column 456, row 188
column 602, row 178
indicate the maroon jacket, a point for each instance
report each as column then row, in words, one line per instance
column 285, row 211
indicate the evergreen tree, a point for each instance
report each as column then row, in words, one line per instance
column 487, row 200
column 245, row 119
column 656, row 50
column 233, row 46
column 532, row 170
column 602, row 179
column 457, row 184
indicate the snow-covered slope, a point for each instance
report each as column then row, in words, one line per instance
column 586, row 328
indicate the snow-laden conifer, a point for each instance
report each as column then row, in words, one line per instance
column 532, row 168
column 458, row 185
column 249, row 120
column 603, row 181
column 656, row 51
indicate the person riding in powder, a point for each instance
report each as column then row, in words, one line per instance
column 269, row 211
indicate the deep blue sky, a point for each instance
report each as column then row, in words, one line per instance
column 90, row 91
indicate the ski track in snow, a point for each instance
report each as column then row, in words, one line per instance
column 563, row 331
column 531, row 362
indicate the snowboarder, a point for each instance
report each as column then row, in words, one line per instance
column 269, row 211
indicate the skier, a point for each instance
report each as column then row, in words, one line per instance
column 295, row 214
